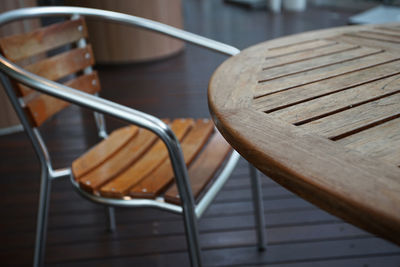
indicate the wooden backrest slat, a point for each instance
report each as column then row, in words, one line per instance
column 120, row 185
column 22, row 46
column 156, row 182
column 42, row 106
column 59, row 66
column 203, row 168
column 64, row 64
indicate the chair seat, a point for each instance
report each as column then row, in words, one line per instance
column 133, row 163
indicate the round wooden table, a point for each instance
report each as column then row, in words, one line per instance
column 319, row 112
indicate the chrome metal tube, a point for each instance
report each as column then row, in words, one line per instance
column 59, row 173
column 124, row 203
column 258, row 207
column 42, row 216
column 43, row 149
column 45, row 179
column 218, row 184
column 98, row 117
column 120, row 18
column 110, row 219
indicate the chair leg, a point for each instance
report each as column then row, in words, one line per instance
column 192, row 236
column 110, row 219
column 41, row 227
column 258, row 207
column 100, row 124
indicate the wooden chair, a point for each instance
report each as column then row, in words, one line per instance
column 167, row 164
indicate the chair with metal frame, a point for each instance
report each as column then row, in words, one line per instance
column 134, row 166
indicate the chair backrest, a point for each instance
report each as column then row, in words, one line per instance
column 59, row 53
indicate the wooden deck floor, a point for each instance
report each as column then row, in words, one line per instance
column 299, row 234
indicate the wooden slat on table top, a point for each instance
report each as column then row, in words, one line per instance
column 356, row 119
column 391, row 30
column 315, row 63
column 379, row 36
column 381, row 142
column 297, row 47
column 308, row 77
column 376, row 43
column 338, row 101
column 310, row 91
column 382, row 31
column 284, row 59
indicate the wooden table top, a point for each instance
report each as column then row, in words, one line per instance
column 319, row 112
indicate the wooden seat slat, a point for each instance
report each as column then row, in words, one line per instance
column 120, row 161
column 327, row 86
column 339, row 101
column 41, row 106
column 306, row 55
column 381, row 142
column 320, row 74
column 344, row 123
column 22, row 46
column 103, row 151
column 203, row 168
column 120, row 184
column 315, row 63
column 156, row 182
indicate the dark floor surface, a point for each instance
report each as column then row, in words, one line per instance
column 299, row 234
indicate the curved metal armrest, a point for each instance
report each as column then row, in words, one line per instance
column 119, row 18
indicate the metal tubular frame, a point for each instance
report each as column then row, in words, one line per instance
column 188, row 209
column 101, row 130
column 45, row 178
column 258, row 207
